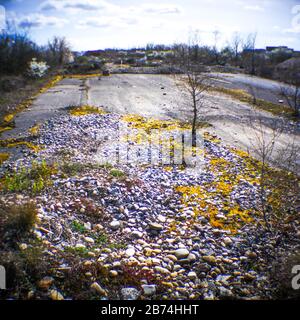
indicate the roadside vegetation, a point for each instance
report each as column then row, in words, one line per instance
column 32, row 180
column 244, row 96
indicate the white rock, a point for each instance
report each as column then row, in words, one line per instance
column 224, row 292
column 192, row 275
column 89, row 240
column 116, row 264
column 156, row 226
column 88, row 226
column 161, row 218
column 130, row 294
column 181, row 253
column 130, row 252
column 149, row 290
column 227, row 241
column 23, row 246
column 137, row 234
column 115, row 225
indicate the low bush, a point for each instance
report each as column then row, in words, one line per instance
column 33, row 179
column 117, row 173
column 17, row 220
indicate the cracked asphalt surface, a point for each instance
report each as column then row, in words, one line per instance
column 158, row 96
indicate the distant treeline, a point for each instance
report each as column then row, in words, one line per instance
column 17, row 50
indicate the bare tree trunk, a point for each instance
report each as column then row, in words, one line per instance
column 194, row 131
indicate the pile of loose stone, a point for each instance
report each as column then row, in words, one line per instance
column 137, row 224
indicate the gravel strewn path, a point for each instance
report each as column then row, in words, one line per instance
column 134, row 234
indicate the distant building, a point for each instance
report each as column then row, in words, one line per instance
column 278, row 49
column 259, row 51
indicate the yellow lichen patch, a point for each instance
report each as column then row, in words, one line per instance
column 211, row 138
column 51, row 83
column 224, row 188
column 240, row 215
column 3, row 129
column 13, row 143
column 26, row 144
column 148, row 124
column 240, row 153
column 201, row 200
column 35, row 130
column 220, row 164
column 22, row 106
column 250, row 166
column 85, row 110
column 83, row 76
column 9, row 117
column 3, row 157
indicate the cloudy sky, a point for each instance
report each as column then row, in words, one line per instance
column 96, row 24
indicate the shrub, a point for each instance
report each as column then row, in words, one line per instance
column 73, row 168
column 78, row 227
column 23, row 269
column 117, row 173
column 17, row 220
column 33, row 179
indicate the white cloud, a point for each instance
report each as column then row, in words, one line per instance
column 37, row 20
column 254, row 8
column 294, row 30
column 148, row 16
column 95, row 22
column 161, row 9
column 75, row 6
column 106, row 22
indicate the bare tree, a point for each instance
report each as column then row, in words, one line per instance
column 196, row 85
column 252, row 91
column 197, row 82
column 277, row 167
column 249, row 56
column 194, row 46
column 235, row 46
column 216, row 34
column 58, row 49
column 263, row 146
column 291, row 92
